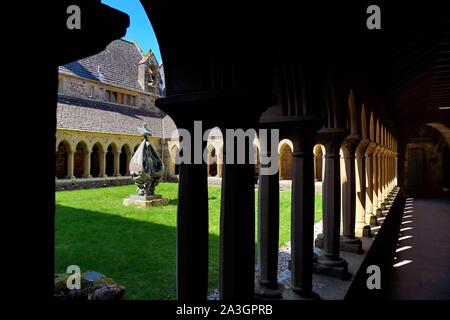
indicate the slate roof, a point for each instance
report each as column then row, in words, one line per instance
column 96, row 116
column 117, row 65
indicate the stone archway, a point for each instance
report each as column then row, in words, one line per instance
column 285, row 162
column 212, row 162
column 124, row 160
column 109, row 170
column 79, row 159
column 95, row 160
column 318, row 163
column 61, row 160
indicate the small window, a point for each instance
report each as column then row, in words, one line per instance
column 114, row 97
column 133, row 100
column 120, row 98
column 91, row 92
column 108, row 95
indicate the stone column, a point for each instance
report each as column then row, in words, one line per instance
column 192, row 231
column 237, row 227
column 302, row 215
column 375, row 178
column 129, row 156
column 87, row 165
column 386, row 174
column 70, row 160
column 348, row 241
column 380, row 177
column 268, row 232
column 116, row 164
column 370, row 217
column 329, row 261
column 361, row 188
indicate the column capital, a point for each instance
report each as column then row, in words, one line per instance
column 332, row 139
column 370, row 149
column 349, row 145
column 362, row 148
column 377, row 150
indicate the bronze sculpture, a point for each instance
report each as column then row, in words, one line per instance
column 146, row 167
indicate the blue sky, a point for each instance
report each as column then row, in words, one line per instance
column 140, row 29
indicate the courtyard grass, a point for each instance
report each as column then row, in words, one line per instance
column 136, row 247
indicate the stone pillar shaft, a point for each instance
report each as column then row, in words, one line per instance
column 192, row 232
column 370, row 185
column 331, row 197
column 375, row 182
column 268, row 228
column 87, row 165
column 360, row 192
column 128, row 164
column 237, row 229
column 349, row 188
column 102, row 160
column 302, row 213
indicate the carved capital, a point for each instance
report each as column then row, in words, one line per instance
column 349, row 146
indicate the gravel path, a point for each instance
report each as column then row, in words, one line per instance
column 284, row 255
column 285, row 185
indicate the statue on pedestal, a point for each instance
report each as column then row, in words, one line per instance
column 146, row 167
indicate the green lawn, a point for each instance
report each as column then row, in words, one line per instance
column 134, row 246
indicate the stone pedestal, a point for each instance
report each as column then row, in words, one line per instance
column 146, row 201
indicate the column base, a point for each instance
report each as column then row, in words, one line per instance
column 291, row 294
column 336, row 267
column 379, row 213
column 263, row 292
column 353, row 245
column 373, row 221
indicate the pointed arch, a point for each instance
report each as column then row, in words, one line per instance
column 79, row 159
column 61, row 159
column 285, row 162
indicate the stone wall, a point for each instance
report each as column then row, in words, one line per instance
column 92, row 183
column 88, row 89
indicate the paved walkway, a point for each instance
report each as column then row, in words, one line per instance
column 422, row 266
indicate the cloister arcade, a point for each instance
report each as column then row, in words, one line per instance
column 342, row 93
column 90, row 155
